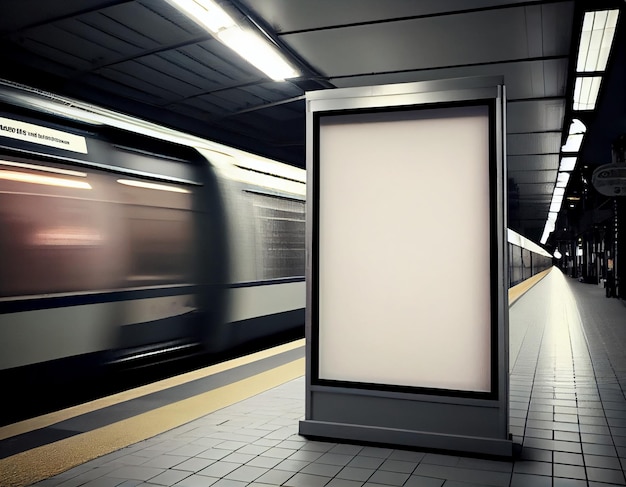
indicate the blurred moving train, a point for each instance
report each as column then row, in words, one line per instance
column 121, row 239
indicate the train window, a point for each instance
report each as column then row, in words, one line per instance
column 57, row 233
column 280, row 230
column 516, row 265
column 159, row 224
column 67, row 230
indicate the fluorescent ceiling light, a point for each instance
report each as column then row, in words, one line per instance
column 562, row 179
column 253, row 47
column 206, row 13
column 586, row 92
column 258, row 52
column 557, row 200
column 145, row 185
column 23, row 177
column 555, row 205
column 596, row 39
column 567, row 164
column 573, row 143
column 577, row 127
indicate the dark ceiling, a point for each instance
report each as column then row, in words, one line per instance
column 144, row 58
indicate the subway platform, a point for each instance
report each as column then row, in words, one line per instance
column 567, row 417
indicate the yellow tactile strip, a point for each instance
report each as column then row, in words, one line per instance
column 48, row 460
column 58, row 416
column 520, row 289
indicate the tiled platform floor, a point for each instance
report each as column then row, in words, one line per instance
column 568, row 414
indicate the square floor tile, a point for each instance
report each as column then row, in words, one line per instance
column 275, row 477
column 562, row 482
column 219, row 469
column 353, row 473
column 322, row 469
column 246, row 473
column 388, row 478
column 524, row 480
column 306, row 480
column 366, row 462
column 602, row 462
column 398, row 466
column 335, row 459
column 605, row 475
column 568, row 458
column 569, row 471
column 534, row 468
column 344, row 483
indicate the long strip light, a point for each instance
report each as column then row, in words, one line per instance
column 251, row 46
column 586, row 92
column 562, row 179
column 596, row 39
column 567, row 164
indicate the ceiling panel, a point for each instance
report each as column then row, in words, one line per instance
column 535, row 116
column 181, row 67
column 533, row 162
column 287, row 15
column 527, row 176
column 473, row 38
column 523, row 79
column 146, row 84
column 139, row 73
column 522, row 144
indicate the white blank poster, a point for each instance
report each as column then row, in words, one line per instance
column 404, row 248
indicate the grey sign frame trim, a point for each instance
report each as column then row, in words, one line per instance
column 412, row 425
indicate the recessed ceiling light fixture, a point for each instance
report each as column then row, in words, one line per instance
column 596, row 39
column 567, row 164
column 250, row 45
column 586, row 92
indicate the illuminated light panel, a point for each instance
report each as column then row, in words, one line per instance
column 586, row 92
column 159, row 187
column 573, row 143
column 562, row 179
column 567, row 164
column 23, row 177
column 557, row 200
column 252, row 47
column 206, row 13
column 596, row 39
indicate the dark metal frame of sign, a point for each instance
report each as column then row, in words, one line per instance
column 472, row 421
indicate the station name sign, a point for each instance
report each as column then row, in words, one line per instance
column 38, row 134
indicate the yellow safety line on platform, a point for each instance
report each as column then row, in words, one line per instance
column 46, row 461
column 58, row 416
column 520, row 289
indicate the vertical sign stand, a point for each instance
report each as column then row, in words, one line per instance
column 406, row 324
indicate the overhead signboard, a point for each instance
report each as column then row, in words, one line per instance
column 38, row 134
